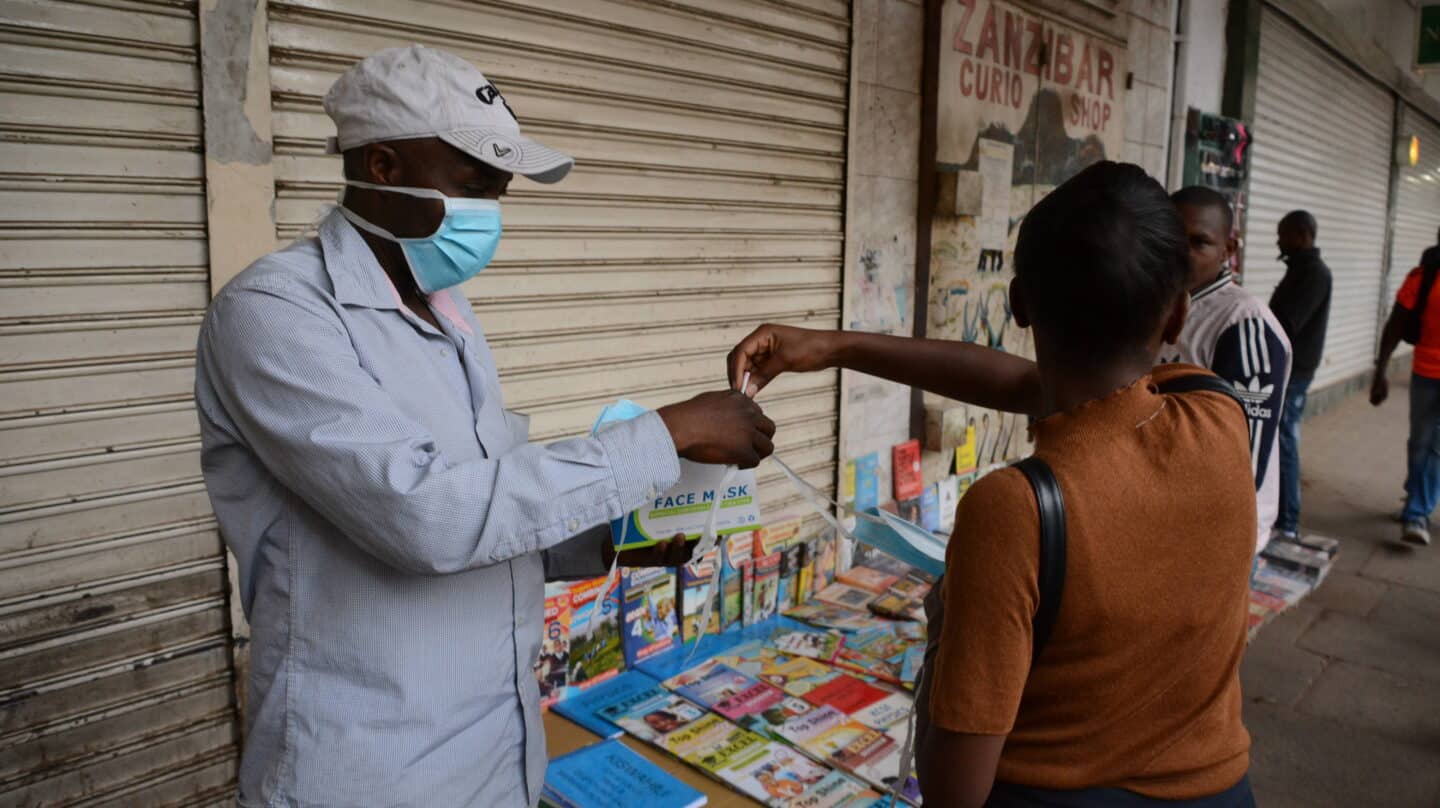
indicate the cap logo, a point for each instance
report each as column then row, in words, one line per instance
column 487, row 93
column 501, row 151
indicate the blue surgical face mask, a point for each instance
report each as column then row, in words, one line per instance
column 459, row 248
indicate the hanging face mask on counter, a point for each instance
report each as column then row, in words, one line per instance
column 459, row 248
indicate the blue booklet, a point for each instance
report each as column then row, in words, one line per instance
column 610, row 774
column 584, row 707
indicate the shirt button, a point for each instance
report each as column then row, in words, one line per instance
column 573, row 525
column 445, row 352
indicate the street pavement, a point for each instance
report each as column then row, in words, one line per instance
column 1342, row 693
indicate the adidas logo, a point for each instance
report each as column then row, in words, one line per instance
column 1254, row 392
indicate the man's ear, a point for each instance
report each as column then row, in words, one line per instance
column 1017, row 304
column 381, row 164
column 1232, row 248
column 1175, row 322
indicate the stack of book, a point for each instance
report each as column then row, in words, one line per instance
column 1285, row 572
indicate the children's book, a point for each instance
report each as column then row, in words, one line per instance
column 790, row 559
column 871, row 580
column 736, row 552
column 966, row 457
column 910, row 665
column 846, row 693
column 660, row 713
column 596, row 653
column 905, row 470
column 753, row 700
column 930, row 508
column 867, row 481
column 908, row 509
column 651, row 619
column 898, row 607
column 799, row 731
column 710, row 683
column 913, row 586
column 842, row 594
column 805, row 576
column 700, row 735
column 695, row 583
column 836, row 790
column 768, row 721
column 826, row 555
column 803, row 641
column 584, row 707
column 885, row 670
column 827, row 615
column 552, row 669
column 948, row 499
column 882, row 561
column 798, row 675
column 767, row 585
column 774, row 773
column 609, row 774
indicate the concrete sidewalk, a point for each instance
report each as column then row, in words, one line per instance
column 1342, row 693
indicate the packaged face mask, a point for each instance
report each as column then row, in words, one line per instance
column 689, row 506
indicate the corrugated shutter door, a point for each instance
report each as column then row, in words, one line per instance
column 1417, row 205
column 1322, row 143
column 709, row 138
column 114, row 668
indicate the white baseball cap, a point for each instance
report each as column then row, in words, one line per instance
column 416, row 92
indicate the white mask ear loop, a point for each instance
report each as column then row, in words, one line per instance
column 708, row 540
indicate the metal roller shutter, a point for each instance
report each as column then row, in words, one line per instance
column 1323, row 143
column 114, row 667
column 707, row 198
column 1417, row 206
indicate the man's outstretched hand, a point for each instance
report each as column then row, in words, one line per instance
column 722, row 428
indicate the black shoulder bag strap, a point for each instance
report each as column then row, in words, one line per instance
column 1051, row 505
column 1197, row 382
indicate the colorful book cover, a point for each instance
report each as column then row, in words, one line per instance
column 805, row 576
column 836, row 790
column 812, row 644
column 652, row 718
column 802, row 729
column 905, row 470
column 755, row 699
column 778, row 534
column 736, row 552
column 768, row 722
column 930, row 508
column 884, row 562
column 828, row 615
column 747, row 593
column 695, row 584
column 584, row 707
column 890, row 711
column 851, row 746
column 911, row 587
column 767, row 585
column 848, row 486
column 610, row 773
column 910, row 665
column 882, row 642
column 790, row 559
column 882, row 669
column 596, row 652
column 965, row 455
column 947, row 493
column 897, row 607
column 867, row 481
column 845, row 595
column 846, row 693
column 776, row 776
column 710, row 682
column 872, row 580
column 552, row 669
column 699, row 735
column 798, row 675
column 827, row 553
column 749, row 657
column 651, row 620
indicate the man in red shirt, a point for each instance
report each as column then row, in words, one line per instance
column 1422, row 482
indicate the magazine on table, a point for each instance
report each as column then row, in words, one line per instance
column 609, row 774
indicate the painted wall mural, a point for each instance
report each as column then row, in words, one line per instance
column 1025, row 102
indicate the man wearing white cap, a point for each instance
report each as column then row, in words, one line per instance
column 393, row 526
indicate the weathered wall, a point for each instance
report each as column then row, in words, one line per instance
column 1151, row 47
column 884, row 174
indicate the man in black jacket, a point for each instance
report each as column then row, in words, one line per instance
column 1302, row 305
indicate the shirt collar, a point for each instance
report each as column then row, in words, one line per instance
column 1211, row 287
column 359, row 280
column 355, row 274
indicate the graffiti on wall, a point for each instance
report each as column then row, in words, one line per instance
column 1024, row 103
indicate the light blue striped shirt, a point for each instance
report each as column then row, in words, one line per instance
column 394, row 530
